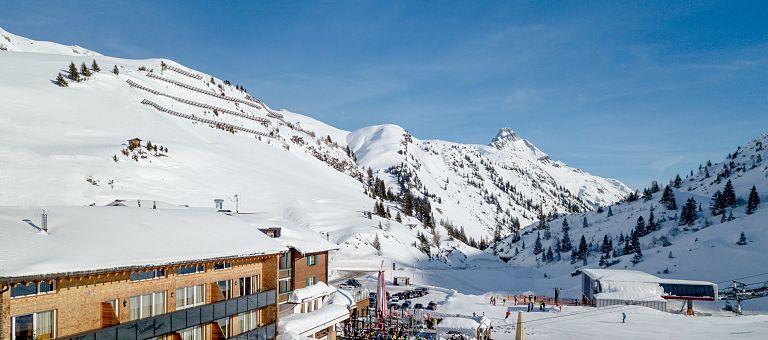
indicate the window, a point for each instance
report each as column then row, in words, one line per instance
column 190, row 270
column 38, row 326
column 248, row 320
column 284, row 285
column 144, row 306
column 311, row 281
column 225, row 326
column 192, row 333
column 285, row 261
column 115, row 307
column 222, row 265
column 226, row 288
column 311, row 260
column 250, row 285
column 32, row 288
column 191, row 296
column 148, row 275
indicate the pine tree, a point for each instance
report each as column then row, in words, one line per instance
column 677, row 181
column 729, row 195
column 558, row 247
column 408, row 203
column 84, row 70
column 717, row 204
column 377, row 245
column 634, row 242
column 583, row 248
column 565, row 225
column 584, row 223
column 668, row 198
column 605, row 248
column 73, row 75
column 610, row 211
column 651, row 227
column 742, row 239
column 688, row 214
column 565, row 244
column 730, row 215
column 95, row 66
column 61, row 81
column 115, row 70
column 640, row 226
column 638, row 257
column 753, row 201
column 537, row 247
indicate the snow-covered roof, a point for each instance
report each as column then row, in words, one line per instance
column 311, row 322
column 314, row 291
column 303, row 239
column 463, row 324
column 635, row 276
column 87, row 239
column 632, row 284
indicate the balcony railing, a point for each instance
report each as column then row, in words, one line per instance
column 262, row 333
column 283, row 273
column 175, row 321
column 359, row 293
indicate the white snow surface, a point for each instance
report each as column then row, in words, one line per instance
column 81, row 239
column 303, row 239
column 63, row 146
column 314, row 291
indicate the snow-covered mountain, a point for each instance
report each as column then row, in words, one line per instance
column 706, row 248
column 204, row 138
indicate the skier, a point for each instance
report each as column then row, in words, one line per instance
column 623, row 317
column 507, row 317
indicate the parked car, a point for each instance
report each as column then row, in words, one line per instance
column 395, row 299
column 424, row 290
column 353, row 283
column 406, row 304
column 418, row 306
column 393, row 305
column 431, row 307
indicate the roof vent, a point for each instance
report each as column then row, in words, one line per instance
column 44, row 220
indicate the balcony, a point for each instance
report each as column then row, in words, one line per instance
column 175, row 321
column 284, row 273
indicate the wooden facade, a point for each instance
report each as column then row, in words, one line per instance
column 88, row 302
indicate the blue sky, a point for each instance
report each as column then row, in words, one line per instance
column 630, row 90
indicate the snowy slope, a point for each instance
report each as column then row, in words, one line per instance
column 706, row 250
column 68, row 146
column 481, row 187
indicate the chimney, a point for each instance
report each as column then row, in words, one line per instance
column 44, row 222
column 219, row 203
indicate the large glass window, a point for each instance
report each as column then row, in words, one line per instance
column 222, row 265
column 249, row 284
column 192, row 333
column 144, row 306
column 33, row 288
column 147, row 275
column 191, row 296
column 190, row 270
column 284, row 285
column 285, row 261
column 37, row 326
column 226, row 328
column 248, row 321
column 226, row 288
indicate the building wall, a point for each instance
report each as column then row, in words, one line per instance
column 78, row 300
column 301, row 271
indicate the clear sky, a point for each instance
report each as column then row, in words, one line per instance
column 630, row 90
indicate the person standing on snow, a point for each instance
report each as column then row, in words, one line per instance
column 507, row 317
column 623, row 317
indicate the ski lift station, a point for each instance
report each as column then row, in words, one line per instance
column 606, row 287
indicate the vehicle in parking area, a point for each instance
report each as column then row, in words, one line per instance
column 418, row 306
column 353, row 283
column 431, row 307
column 394, row 299
column 406, row 304
column 424, row 290
column 393, row 305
